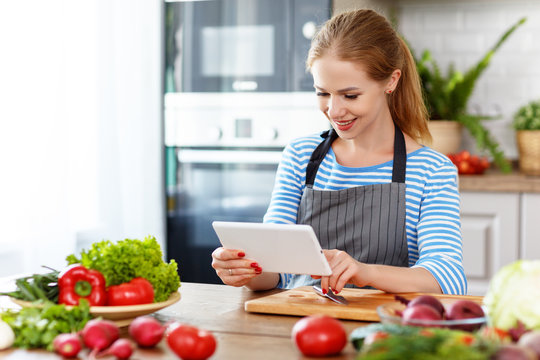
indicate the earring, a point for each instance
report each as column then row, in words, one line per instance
column 388, row 91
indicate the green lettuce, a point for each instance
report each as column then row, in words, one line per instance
column 514, row 295
column 124, row 260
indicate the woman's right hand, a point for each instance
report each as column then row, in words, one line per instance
column 232, row 268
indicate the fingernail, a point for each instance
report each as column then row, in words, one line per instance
column 258, row 268
column 241, row 254
column 336, row 292
column 324, row 291
column 258, row 271
column 254, row 265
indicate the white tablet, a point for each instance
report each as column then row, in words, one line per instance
column 280, row 248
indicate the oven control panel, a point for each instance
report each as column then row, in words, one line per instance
column 243, row 119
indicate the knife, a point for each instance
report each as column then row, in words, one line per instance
column 330, row 295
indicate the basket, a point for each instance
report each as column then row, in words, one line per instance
column 446, row 136
column 528, row 142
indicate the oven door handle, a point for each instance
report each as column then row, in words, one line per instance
column 188, row 156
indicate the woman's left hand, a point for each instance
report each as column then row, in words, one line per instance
column 345, row 270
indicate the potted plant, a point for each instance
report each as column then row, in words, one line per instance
column 527, row 126
column 447, row 97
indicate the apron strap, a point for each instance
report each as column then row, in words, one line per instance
column 318, row 155
column 400, row 156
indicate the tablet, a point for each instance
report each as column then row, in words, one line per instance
column 280, row 248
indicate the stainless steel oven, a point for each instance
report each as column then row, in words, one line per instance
column 222, row 155
column 217, row 184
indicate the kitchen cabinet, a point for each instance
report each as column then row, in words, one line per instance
column 497, row 228
column 490, row 230
column 530, row 226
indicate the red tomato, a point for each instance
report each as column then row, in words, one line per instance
column 467, row 339
column 474, row 161
column 189, row 342
column 484, row 163
column 319, row 335
column 469, row 164
column 464, row 167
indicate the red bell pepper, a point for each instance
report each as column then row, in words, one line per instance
column 135, row 292
column 79, row 282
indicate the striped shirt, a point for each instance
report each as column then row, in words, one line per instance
column 432, row 203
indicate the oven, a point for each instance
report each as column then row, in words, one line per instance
column 217, row 184
column 222, row 153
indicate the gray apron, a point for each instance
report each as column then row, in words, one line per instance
column 367, row 222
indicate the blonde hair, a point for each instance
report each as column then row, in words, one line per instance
column 365, row 37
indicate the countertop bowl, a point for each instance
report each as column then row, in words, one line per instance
column 389, row 313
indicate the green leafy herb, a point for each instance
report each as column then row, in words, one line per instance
column 126, row 259
column 415, row 343
column 528, row 117
column 447, row 96
column 359, row 334
column 36, row 327
column 37, row 287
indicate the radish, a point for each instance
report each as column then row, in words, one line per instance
column 99, row 334
column 7, row 336
column 146, row 331
column 67, row 345
column 121, row 349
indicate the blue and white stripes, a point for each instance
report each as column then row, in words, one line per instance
column 432, row 203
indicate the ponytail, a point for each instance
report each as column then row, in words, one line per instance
column 406, row 103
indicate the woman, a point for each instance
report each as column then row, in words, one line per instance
column 385, row 208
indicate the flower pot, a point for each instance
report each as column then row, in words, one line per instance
column 446, row 135
column 528, row 142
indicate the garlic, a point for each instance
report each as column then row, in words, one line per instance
column 7, row 336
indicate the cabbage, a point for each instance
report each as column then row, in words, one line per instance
column 514, row 295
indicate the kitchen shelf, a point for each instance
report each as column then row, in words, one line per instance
column 498, row 182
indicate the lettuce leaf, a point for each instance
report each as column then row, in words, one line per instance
column 513, row 296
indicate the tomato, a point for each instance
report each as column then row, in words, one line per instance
column 484, row 163
column 467, row 339
column 189, row 342
column 469, row 164
column 319, row 335
column 464, row 167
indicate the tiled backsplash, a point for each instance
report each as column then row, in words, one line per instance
column 461, row 32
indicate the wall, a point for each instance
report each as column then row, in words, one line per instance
column 461, row 32
column 384, row 7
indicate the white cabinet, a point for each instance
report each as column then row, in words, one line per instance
column 530, row 226
column 490, row 225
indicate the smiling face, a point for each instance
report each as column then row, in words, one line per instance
column 355, row 104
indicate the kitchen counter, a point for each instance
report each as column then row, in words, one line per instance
column 219, row 309
column 495, row 181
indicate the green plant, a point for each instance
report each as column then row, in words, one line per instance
column 528, row 117
column 447, row 96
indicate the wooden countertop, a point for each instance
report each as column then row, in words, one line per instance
column 220, row 309
column 495, row 181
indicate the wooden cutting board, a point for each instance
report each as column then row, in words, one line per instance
column 362, row 305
